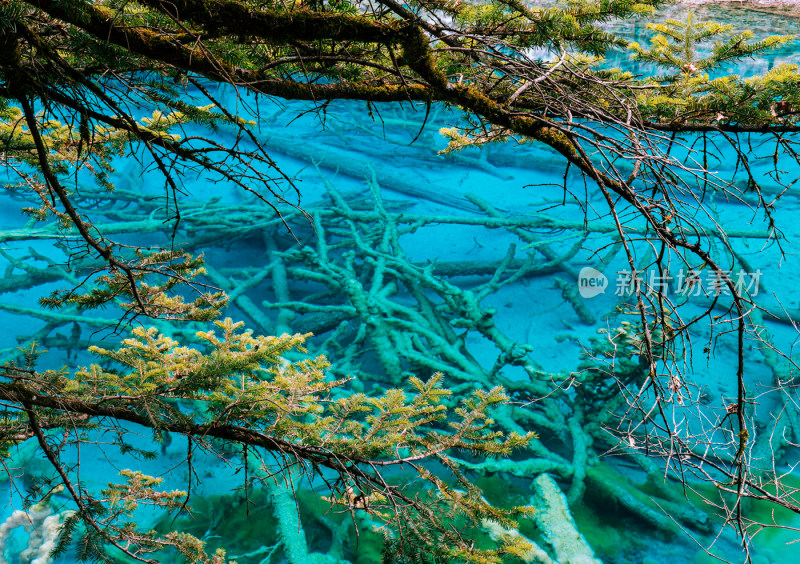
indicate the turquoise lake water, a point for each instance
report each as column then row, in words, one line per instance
column 351, row 173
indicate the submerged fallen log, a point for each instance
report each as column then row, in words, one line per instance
column 556, row 524
column 357, row 166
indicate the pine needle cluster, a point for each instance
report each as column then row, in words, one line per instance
column 240, row 388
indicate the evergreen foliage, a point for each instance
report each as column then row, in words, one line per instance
column 240, row 388
column 768, row 99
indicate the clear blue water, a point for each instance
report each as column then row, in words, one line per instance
column 372, row 163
